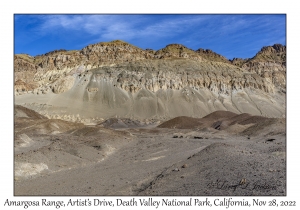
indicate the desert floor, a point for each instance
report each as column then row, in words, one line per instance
column 221, row 154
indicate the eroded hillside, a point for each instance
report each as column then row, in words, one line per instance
column 117, row 79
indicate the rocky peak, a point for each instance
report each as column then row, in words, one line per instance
column 276, row 48
column 275, row 53
column 177, row 51
column 176, row 46
column 57, row 67
column 112, row 52
column 24, row 57
column 269, row 63
column 211, row 56
column 92, row 56
column 116, row 45
column 55, row 52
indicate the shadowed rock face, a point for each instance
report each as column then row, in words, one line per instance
column 118, row 79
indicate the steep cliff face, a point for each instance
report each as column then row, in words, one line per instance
column 275, row 53
column 48, row 68
column 270, row 64
column 24, row 71
column 119, row 79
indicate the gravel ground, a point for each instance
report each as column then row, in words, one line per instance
column 64, row 158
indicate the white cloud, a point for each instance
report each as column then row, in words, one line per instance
column 125, row 26
column 194, row 30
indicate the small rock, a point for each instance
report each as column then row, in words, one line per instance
column 243, row 181
column 184, row 166
column 176, row 169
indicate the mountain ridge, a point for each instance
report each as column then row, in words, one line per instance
column 124, row 78
column 107, row 53
column 202, row 51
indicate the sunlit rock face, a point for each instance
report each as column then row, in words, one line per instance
column 117, row 79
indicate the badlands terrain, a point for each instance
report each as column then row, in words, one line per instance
column 114, row 119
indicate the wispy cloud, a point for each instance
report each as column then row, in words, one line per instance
column 210, row 31
column 113, row 26
column 133, row 26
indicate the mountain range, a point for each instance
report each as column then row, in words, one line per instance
column 117, row 79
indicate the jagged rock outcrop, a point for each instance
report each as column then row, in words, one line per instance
column 175, row 74
column 21, row 86
column 238, row 61
column 212, row 56
column 270, row 64
column 115, row 51
column 127, row 81
column 177, row 51
column 51, row 66
column 24, row 71
column 275, row 53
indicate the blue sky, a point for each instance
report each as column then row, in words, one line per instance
column 232, row 36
